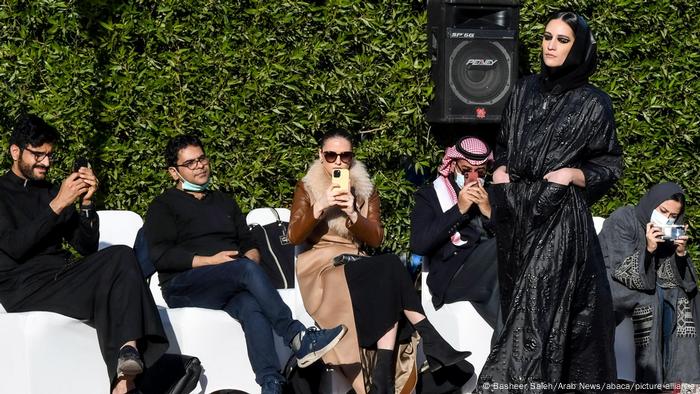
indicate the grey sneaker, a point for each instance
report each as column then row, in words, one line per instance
column 315, row 343
column 129, row 362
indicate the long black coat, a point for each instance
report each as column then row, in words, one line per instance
column 558, row 316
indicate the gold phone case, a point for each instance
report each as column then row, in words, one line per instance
column 341, row 177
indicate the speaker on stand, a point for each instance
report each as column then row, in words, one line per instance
column 473, row 46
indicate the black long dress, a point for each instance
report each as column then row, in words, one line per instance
column 556, row 302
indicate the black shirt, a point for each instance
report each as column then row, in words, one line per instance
column 179, row 226
column 30, row 229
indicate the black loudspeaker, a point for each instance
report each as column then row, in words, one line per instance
column 473, row 48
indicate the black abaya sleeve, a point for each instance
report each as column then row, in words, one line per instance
column 603, row 165
column 624, row 250
column 684, row 272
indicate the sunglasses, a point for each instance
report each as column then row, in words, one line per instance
column 331, row 157
column 466, row 171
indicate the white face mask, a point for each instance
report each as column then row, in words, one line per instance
column 459, row 179
column 659, row 219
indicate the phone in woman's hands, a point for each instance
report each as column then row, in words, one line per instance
column 341, row 177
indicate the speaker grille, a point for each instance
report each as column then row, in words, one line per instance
column 480, row 72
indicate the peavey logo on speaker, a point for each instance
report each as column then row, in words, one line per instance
column 481, row 62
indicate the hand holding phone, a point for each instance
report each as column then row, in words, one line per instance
column 653, row 236
column 79, row 163
column 87, row 176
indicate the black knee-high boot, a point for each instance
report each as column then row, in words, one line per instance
column 438, row 352
column 383, row 373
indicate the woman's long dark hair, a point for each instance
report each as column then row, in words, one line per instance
column 334, row 133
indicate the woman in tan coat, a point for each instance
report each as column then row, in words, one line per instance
column 373, row 296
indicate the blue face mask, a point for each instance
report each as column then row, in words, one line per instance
column 459, row 179
column 193, row 187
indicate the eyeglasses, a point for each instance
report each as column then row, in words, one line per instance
column 192, row 164
column 331, row 157
column 39, row 156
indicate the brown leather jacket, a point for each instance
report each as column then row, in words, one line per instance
column 368, row 228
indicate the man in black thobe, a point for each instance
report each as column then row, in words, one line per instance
column 37, row 274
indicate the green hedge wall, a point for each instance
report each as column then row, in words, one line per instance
column 258, row 79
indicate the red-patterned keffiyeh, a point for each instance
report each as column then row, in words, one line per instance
column 471, row 149
column 475, row 152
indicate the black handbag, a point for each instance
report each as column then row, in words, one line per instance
column 346, row 258
column 276, row 253
column 171, row 374
column 306, row 380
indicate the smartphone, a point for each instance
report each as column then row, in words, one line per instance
column 341, row 177
column 80, row 162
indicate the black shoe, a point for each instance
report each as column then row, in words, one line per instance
column 437, row 351
column 457, row 378
column 129, row 362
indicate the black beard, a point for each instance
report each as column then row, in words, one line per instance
column 28, row 170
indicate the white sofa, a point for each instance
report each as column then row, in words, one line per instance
column 42, row 349
column 216, row 338
column 45, row 352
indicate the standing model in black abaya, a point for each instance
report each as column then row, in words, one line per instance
column 557, row 154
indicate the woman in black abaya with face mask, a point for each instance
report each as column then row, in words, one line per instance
column 556, row 154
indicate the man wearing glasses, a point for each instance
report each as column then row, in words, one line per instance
column 37, row 274
column 199, row 242
column 451, row 227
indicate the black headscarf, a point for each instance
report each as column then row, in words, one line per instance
column 579, row 64
column 654, row 197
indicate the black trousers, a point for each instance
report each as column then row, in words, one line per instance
column 477, row 282
column 380, row 289
column 106, row 288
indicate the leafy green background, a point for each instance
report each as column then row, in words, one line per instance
column 259, row 79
